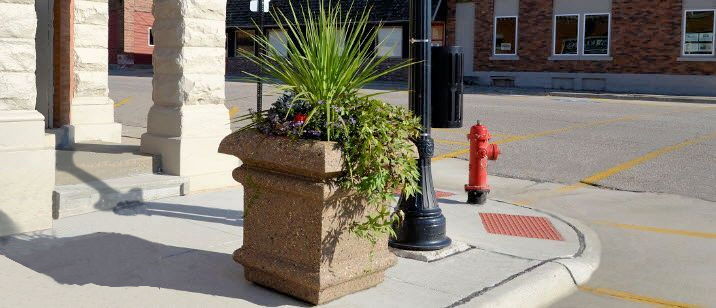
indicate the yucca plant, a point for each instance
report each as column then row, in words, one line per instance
column 329, row 56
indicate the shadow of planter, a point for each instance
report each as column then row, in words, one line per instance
column 296, row 223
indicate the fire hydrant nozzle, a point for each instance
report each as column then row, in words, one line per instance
column 480, row 152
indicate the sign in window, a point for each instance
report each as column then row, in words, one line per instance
column 566, row 34
column 505, row 35
column 596, row 34
column 699, row 32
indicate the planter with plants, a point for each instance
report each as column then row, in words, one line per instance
column 321, row 166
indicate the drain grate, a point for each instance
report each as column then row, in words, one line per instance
column 522, row 226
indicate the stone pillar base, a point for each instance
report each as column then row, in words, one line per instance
column 27, row 169
column 187, row 139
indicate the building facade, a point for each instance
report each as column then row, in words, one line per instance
column 131, row 39
column 664, row 47
column 390, row 17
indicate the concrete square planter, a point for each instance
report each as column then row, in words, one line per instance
column 296, row 224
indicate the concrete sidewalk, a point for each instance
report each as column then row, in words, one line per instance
column 177, row 252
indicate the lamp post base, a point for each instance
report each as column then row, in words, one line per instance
column 423, row 231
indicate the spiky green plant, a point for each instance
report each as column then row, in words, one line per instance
column 329, row 58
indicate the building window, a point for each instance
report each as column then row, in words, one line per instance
column 596, row 34
column 505, row 35
column 151, row 37
column 586, row 34
column 278, row 39
column 566, row 34
column 699, row 29
column 390, row 42
column 244, row 42
column 438, row 34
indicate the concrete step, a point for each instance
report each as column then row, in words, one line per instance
column 77, row 199
column 91, row 162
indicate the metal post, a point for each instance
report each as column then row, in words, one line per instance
column 258, row 49
column 423, row 227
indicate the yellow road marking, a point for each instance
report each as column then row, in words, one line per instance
column 122, row 102
column 658, row 230
column 445, row 141
column 539, row 134
column 635, row 297
column 233, row 111
column 640, row 160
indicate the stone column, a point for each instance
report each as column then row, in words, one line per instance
column 188, row 118
column 27, row 160
column 92, row 111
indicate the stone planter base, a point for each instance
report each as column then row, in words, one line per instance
column 296, row 224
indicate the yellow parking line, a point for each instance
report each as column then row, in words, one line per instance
column 593, row 179
column 233, row 111
column 445, row 141
column 658, row 230
column 122, row 102
column 635, row 297
column 539, row 134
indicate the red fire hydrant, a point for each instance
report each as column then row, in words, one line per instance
column 480, row 151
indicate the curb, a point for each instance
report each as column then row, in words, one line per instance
column 641, row 97
column 547, row 282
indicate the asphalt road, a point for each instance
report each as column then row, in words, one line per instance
column 543, row 138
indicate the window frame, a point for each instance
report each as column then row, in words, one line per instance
column 683, row 35
column 149, row 37
column 584, row 35
column 494, row 36
column 554, row 36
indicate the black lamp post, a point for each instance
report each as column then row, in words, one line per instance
column 258, row 50
column 423, row 227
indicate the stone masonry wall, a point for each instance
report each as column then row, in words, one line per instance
column 645, row 38
column 17, row 55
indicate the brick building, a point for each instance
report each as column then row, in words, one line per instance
column 130, row 32
column 596, row 45
column 394, row 31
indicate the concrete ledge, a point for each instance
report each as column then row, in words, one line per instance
column 639, row 97
column 78, row 199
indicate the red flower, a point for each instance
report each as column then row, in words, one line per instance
column 299, row 117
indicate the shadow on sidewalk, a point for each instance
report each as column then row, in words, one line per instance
column 182, row 211
column 119, row 260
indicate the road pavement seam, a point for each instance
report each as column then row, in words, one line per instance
column 635, row 297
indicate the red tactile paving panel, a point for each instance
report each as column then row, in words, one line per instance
column 518, row 225
column 443, row 194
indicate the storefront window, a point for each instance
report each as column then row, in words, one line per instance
column 596, row 34
column 438, row 35
column 506, row 35
column 566, row 34
column 391, row 42
column 244, row 42
column 277, row 39
column 699, row 32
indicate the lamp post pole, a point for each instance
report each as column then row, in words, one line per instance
column 423, row 226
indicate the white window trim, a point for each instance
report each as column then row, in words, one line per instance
column 683, row 35
column 494, row 36
column 554, row 36
column 609, row 35
column 149, row 37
